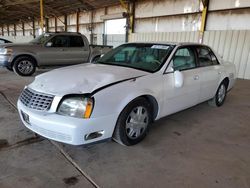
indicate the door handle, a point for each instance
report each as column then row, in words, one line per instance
column 219, row 72
column 196, row 77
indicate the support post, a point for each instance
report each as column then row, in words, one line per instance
column 47, row 25
column 8, row 29
column 34, row 28
column 203, row 19
column 132, row 17
column 77, row 21
column 23, row 28
column 91, row 27
column 41, row 16
column 65, row 23
column 55, row 24
column 14, row 29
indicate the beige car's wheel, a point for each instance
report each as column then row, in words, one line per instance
column 24, row 66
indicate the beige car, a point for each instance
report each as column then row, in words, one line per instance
column 49, row 49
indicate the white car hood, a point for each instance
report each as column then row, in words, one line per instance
column 84, row 78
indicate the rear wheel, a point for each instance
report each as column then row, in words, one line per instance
column 24, row 66
column 133, row 122
column 95, row 59
column 220, row 95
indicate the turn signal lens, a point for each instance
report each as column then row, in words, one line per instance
column 89, row 108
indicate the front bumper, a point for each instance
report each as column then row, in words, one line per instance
column 5, row 61
column 67, row 129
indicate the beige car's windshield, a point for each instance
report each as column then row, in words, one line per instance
column 146, row 57
column 41, row 39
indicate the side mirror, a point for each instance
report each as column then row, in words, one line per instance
column 178, row 79
column 49, row 44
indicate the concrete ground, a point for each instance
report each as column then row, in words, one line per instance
column 198, row 147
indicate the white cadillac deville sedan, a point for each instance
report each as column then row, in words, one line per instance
column 124, row 92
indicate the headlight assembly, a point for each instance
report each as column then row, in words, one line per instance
column 5, row 51
column 80, row 107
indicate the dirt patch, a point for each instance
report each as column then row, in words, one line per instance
column 71, row 180
column 4, row 143
column 177, row 133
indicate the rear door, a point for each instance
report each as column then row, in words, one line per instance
column 188, row 95
column 79, row 51
column 209, row 72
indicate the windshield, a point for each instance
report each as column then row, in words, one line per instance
column 41, row 38
column 146, row 57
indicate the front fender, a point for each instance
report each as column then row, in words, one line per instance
column 17, row 54
column 114, row 99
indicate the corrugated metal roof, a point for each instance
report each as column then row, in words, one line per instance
column 12, row 11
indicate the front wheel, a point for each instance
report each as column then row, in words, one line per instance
column 133, row 122
column 24, row 66
column 220, row 95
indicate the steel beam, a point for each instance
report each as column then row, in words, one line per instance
column 8, row 29
column 34, row 28
column 77, row 21
column 23, row 28
column 47, row 25
column 55, row 24
column 65, row 23
column 2, row 31
column 41, row 16
column 14, row 29
column 203, row 19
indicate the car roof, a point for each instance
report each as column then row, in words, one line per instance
column 170, row 43
column 64, row 33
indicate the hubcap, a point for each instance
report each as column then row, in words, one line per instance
column 221, row 93
column 137, row 122
column 25, row 66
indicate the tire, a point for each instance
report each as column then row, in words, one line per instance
column 95, row 59
column 9, row 68
column 24, row 66
column 220, row 96
column 133, row 123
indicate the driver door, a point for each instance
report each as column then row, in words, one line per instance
column 56, row 51
column 176, row 99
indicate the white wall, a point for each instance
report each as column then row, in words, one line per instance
column 229, row 20
column 168, row 15
column 18, row 39
column 226, row 4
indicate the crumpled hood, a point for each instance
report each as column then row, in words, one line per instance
column 81, row 78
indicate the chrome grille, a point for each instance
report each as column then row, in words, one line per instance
column 36, row 100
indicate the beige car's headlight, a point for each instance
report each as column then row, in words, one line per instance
column 5, row 51
column 79, row 106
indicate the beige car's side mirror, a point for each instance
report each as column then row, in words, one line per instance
column 49, row 44
column 178, row 79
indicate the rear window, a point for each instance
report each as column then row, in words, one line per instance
column 206, row 57
column 76, row 41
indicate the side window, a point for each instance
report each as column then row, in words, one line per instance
column 76, row 41
column 214, row 59
column 60, row 41
column 206, row 57
column 2, row 41
column 183, row 59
